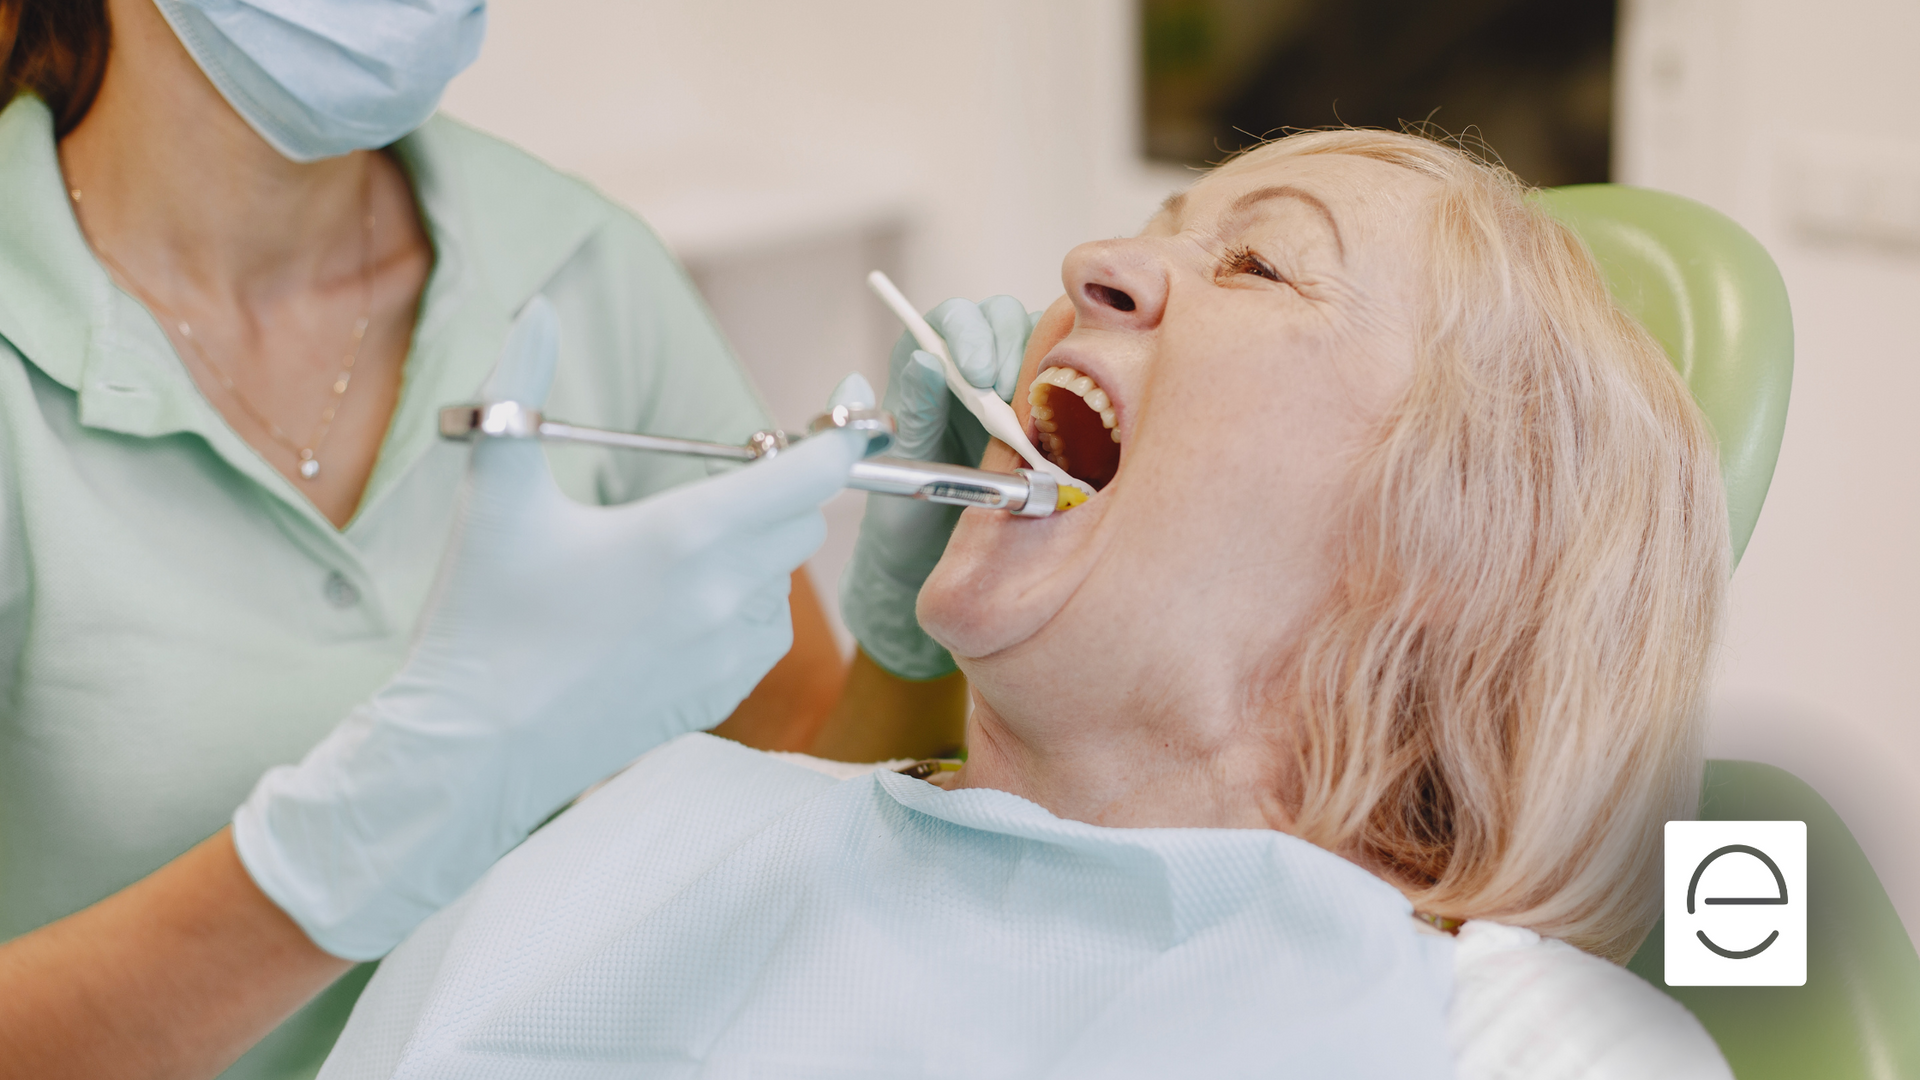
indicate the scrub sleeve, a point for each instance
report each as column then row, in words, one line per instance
column 175, row 617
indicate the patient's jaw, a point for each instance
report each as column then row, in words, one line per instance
column 1248, row 343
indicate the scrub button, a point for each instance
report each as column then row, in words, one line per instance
column 339, row 591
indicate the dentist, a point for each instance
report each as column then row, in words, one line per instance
column 241, row 267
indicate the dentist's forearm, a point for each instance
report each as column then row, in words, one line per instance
column 174, row 976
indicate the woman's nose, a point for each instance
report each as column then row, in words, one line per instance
column 1120, row 284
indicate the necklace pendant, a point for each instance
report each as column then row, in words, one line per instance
column 309, row 469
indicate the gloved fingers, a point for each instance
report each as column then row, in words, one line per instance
column 524, row 372
column 507, row 479
column 732, row 665
column 965, row 440
column 738, row 649
column 1011, row 328
column 762, row 558
column 900, row 357
column 969, row 338
column 769, row 604
column 795, row 482
column 921, row 405
column 904, row 538
column 743, row 580
column 755, row 634
column 756, row 650
column 754, row 498
column 507, row 486
column 708, row 674
column 854, row 392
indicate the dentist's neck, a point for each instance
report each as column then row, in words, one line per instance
column 178, row 189
column 1138, row 772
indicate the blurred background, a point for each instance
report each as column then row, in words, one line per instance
column 785, row 149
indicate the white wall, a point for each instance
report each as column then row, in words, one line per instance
column 1002, row 128
column 1799, row 121
column 783, row 147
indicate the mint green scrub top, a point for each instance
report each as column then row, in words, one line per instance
column 175, row 617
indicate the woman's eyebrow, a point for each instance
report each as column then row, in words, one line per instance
column 1171, row 209
column 1287, row 191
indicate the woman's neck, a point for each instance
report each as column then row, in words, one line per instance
column 1132, row 772
column 176, row 187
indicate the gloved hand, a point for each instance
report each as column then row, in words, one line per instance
column 902, row 539
column 561, row 642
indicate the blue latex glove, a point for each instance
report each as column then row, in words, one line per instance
column 561, row 642
column 902, row 539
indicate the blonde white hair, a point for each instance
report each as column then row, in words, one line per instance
column 1501, row 697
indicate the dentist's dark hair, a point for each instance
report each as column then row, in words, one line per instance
column 55, row 50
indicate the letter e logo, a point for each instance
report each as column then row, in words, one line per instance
column 1736, row 903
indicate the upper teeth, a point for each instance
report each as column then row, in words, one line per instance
column 1068, row 379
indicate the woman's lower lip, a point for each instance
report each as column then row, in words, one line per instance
column 1043, row 529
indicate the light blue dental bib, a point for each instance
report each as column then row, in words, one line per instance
column 718, row 912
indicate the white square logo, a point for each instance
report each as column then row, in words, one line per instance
column 1736, row 903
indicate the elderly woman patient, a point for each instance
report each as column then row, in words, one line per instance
column 1333, row 737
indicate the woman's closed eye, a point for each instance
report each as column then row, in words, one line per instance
column 1242, row 260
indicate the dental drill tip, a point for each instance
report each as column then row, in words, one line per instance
column 1069, row 498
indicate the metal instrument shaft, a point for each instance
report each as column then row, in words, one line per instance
column 1025, row 492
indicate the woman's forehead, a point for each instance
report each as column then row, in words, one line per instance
column 1344, row 187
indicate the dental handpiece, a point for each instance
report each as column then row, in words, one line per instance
column 1024, row 492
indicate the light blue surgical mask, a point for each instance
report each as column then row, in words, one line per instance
column 318, row 78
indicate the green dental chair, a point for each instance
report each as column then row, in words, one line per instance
column 1710, row 294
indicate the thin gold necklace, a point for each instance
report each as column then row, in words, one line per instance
column 307, row 455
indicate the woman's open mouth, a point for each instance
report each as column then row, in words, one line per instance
column 1075, row 424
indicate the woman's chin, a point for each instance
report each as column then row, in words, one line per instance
column 1004, row 578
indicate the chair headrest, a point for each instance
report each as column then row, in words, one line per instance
column 1710, row 294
